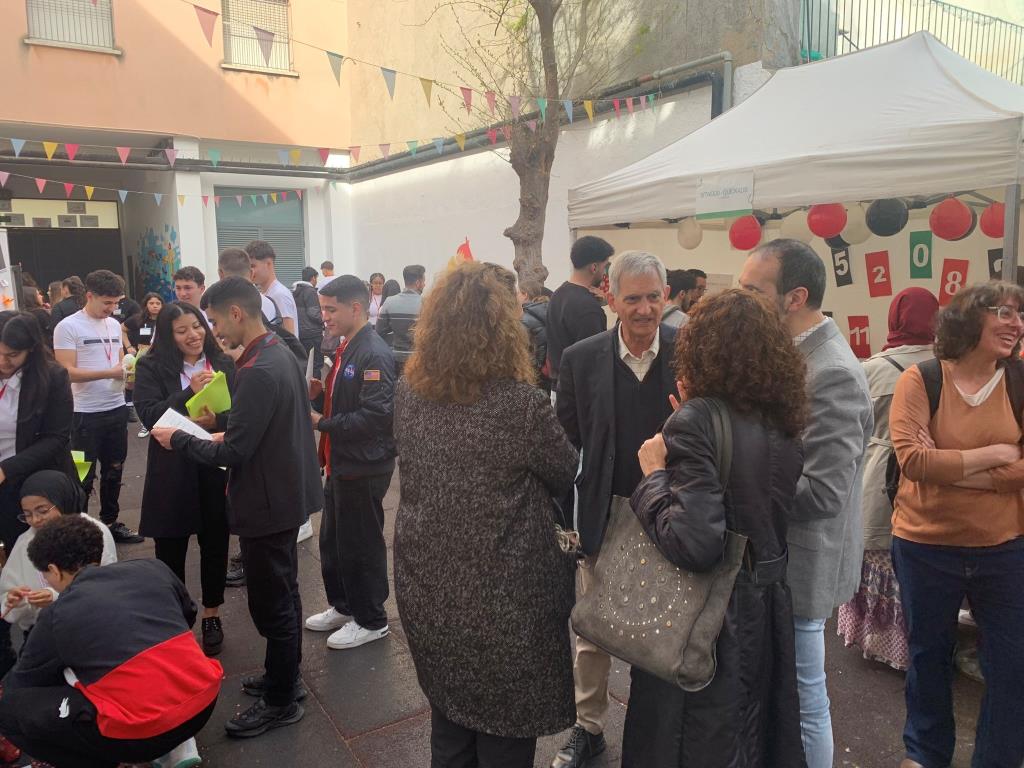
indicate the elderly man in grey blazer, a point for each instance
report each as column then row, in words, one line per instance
column 825, row 537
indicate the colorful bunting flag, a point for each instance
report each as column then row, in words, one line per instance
column 284, row 196
column 40, row 185
column 123, row 194
column 298, row 193
column 72, row 150
column 216, row 201
column 181, row 200
column 265, row 197
column 589, row 107
column 567, row 105
column 385, row 149
column 158, row 197
column 353, row 152
column 207, row 19
column 542, row 105
column 123, row 153
column 172, row 155
column 491, row 101
column 324, row 154
column 507, row 130
column 492, row 134
column 253, row 198
column 17, row 144
column 336, row 60
column 642, row 104
column 618, row 107
column 439, row 146
column 88, row 192
column 214, row 155
column 629, row 104
column 273, row 196
column 4, row 175
column 460, row 139
column 266, row 40
column 296, row 156
column 650, row 99
column 206, row 201
column 514, row 104
column 238, row 199
column 49, row 147
column 428, row 87
column 413, row 147
column 389, row 80
column 68, row 189
column 282, row 157
column 467, row 97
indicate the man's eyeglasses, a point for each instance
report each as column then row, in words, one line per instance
column 1006, row 313
column 28, row 517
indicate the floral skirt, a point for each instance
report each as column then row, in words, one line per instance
column 873, row 619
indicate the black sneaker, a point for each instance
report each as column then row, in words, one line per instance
column 256, row 685
column 213, row 636
column 236, row 572
column 261, row 717
column 124, row 535
column 133, row 417
column 580, row 749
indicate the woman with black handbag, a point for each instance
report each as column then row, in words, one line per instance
column 733, row 354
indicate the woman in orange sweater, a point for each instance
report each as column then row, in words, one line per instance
column 958, row 524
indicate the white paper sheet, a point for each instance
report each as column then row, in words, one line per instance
column 309, row 364
column 175, row 420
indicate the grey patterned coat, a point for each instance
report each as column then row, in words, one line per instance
column 483, row 590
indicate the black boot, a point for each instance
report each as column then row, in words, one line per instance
column 581, row 747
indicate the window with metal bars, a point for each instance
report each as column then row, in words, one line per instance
column 74, row 22
column 241, row 42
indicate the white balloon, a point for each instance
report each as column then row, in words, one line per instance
column 856, row 230
column 794, row 227
column 689, row 233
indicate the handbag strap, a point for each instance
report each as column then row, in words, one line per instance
column 722, row 425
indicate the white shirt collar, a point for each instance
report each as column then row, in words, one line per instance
column 14, row 383
column 651, row 351
column 801, row 338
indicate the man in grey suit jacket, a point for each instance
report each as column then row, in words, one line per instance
column 826, row 541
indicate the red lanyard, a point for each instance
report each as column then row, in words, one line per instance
column 3, row 389
column 108, row 343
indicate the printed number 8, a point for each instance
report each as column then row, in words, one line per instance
column 954, row 282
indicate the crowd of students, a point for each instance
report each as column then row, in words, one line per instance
column 519, row 442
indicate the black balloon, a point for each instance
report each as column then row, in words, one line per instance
column 886, row 218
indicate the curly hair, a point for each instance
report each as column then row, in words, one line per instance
column 69, row 542
column 469, row 333
column 960, row 323
column 736, row 348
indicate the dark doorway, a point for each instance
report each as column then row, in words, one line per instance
column 53, row 254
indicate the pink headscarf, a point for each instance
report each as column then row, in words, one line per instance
column 912, row 318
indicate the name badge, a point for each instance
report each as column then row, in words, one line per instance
column 145, row 331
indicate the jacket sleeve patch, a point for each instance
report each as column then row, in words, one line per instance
column 371, row 375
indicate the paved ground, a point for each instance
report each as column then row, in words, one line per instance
column 366, row 709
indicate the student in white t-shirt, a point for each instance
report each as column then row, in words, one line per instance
column 88, row 344
column 262, row 255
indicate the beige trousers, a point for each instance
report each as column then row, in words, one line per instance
column 590, row 668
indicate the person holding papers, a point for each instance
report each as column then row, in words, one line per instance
column 182, row 498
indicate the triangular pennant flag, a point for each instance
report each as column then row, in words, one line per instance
column 514, row 103
column 507, row 130
column 460, row 139
column 336, row 60
column 88, row 192
column 40, row 185
column 172, row 155
column 298, row 193
column 206, row 201
column 216, row 201
column 123, row 194
column 324, row 154
column 642, row 104
column 439, row 146
column 207, row 19
column 492, row 134
column 428, row 87
column 68, row 189
column 266, row 40
column 273, row 196
column 49, row 147
column 265, row 197
column 282, row 156
column 254, row 198
column 296, row 156
column 158, row 197
column 491, row 100
column 72, row 150
column 181, row 200
column 618, row 107
column 214, row 155
column 284, row 197
column 542, row 105
column 589, row 107
column 389, row 80
column 17, row 144
column 629, row 104
column 413, row 147
column 4, row 175
column 567, row 104
column 385, row 149
column 123, row 153
column 532, row 125
column 353, row 152
column 467, row 97
column 650, row 99
column 238, row 199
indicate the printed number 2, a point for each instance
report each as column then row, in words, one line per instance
column 880, row 276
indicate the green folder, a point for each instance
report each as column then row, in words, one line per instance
column 81, row 465
column 214, row 396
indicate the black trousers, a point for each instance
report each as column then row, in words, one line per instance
column 58, row 726
column 213, row 560
column 272, row 576
column 103, row 437
column 353, row 554
column 310, row 343
column 452, row 746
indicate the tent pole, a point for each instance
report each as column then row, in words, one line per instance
column 1011, row 234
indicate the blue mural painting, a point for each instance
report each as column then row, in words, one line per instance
column 157, row 259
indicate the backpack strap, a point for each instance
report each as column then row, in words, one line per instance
column 931, row 373
column 1015, row 388
column 894, row 364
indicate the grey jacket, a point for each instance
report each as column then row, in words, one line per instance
column 826, row 538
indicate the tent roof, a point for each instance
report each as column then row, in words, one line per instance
column 906, row 118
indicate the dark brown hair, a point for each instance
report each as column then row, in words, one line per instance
column 468, row 334
column 961, row 321
column 736, row 348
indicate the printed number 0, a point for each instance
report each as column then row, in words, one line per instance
column 954, row 282
column 880, row 276
column 920, row 255
column 842, row 264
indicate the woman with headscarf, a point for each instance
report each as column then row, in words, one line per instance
column 873, row 619
column 45, row 496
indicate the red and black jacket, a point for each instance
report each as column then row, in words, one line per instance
column 121, row 634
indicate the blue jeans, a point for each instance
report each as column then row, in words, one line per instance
column 815, row 717
column 933, row 583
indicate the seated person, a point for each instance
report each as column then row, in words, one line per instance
column 111, row 672
column 45, row 496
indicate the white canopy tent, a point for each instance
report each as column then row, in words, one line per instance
column 903, row 119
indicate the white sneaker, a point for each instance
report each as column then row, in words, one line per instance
column 352, row 636
column 305, row 532
column 966, row 618
column 328, row 621
column 185, row 755
column 143, row 432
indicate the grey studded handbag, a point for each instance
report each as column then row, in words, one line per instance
column 648, row 612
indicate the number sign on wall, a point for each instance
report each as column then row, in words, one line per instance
column 841, row 265
column 921, row 255
column 954, row 277
column 879, row 276
column 995, row 263
column 860, row 335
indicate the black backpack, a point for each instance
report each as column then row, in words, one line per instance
column 931, row 373
column 276, row 324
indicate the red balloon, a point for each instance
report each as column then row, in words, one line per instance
column 993, row 221
column 952, row 219
column 826, row 220
column 745, row 233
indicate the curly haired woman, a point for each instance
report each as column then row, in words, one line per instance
column 736, row 350
column 483, row 587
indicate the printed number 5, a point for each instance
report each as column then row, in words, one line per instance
column 842, row 264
